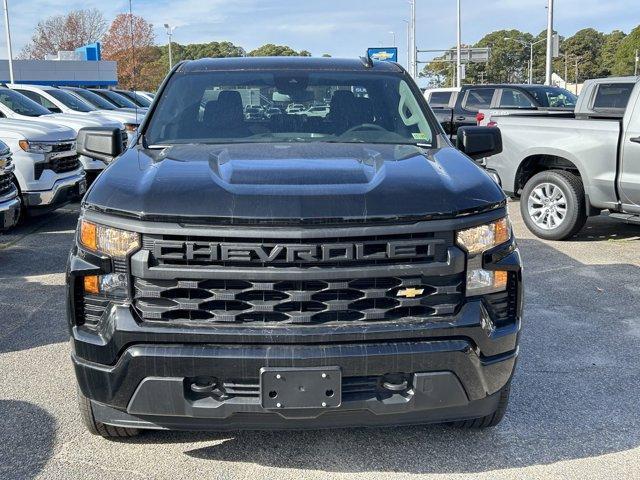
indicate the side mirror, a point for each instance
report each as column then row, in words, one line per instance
column 479, row 142
column 103, row 143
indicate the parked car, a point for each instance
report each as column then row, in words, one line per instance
column 566, row 169
column 148, row 95
column 464, row 108
column 10, row 204
column 317, row 111
column 441, row 97
column 46, row 169
column 15, row 105
column 57, row 100
column 357, row 271
column 272, row 112
column 101, row 103
column 116, row 99
column 139, row 100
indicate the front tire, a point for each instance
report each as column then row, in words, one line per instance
column 99, row 428
column 492, row 419
column 553, row 205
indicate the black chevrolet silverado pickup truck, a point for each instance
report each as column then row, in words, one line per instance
column 297, row 272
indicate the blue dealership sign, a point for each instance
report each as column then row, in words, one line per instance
column 383, row 54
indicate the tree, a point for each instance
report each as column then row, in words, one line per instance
column 65, row 32
column 625, row 55
column 586, row 45
column 130, row 42
column 610, row 47
column 271, row 50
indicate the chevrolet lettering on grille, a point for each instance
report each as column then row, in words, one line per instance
column 167, row 250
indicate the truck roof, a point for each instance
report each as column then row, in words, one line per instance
column 287, row 63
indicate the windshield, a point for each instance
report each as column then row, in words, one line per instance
column 364, row 107
column 74, row 103
column 18, row 103
column 554, row 97
column 136, row 98
column 94, row 99
column 117, row 99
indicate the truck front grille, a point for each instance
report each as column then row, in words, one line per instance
column 64, row 164
column 6, row 185
column 298, row 302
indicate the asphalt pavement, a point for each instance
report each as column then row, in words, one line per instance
column 574, row 412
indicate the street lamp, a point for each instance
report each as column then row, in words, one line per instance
column 169, row 30
column 6, row 20
column 530, row 45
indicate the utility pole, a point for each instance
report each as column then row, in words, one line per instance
column 549, row 64
column 393, row 35
column 414, row 53
column 408, row 46
column 576, row 78
column 169, row 29
column 635, row 70
column 566, row 68
column 459, row 49
column 6, row 21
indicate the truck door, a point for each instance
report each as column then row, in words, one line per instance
column 629, row 183
column 469, row 104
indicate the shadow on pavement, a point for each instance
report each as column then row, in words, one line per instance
column 32, row 293
column 27, row 435
column 574, row 394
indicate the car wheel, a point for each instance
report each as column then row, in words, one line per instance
column 553, row 205
column 99, row 428
column 492, row 419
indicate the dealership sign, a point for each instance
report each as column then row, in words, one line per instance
column 388, row 54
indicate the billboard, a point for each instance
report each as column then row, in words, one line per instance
column 383, row 54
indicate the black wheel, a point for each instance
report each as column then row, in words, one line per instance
column 490, row 420
column 553, row 205
column 98, row 428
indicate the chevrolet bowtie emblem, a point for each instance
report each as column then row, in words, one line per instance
column 410, row 292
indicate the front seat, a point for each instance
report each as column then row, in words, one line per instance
column 343, row 112
column 228, row 116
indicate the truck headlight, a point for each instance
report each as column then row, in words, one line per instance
column 484, row 237
column 35, row 147
column 109, row 241
column 476, row 241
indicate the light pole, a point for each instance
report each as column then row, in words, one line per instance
column 459, row 50
column 6, row 21
column 530, row 46
column 549, row 64
column 408, row 45
column 169, row 29
column 414, row 53
column 393, row 35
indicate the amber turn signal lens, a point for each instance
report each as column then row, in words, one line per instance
column 500, row 279
column 502, row 232
column 88, row 235
column 91, row 284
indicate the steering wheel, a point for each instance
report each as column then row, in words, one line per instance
column 365, row 126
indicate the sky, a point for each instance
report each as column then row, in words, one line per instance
column 341, row 28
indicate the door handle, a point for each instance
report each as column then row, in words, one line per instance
column 635, row 139
column 460, row 119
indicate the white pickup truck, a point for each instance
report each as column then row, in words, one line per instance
column 566, row 168
column 45, row 168
column 15, row 105
column 9, row 199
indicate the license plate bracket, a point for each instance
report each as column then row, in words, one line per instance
column 296, row 388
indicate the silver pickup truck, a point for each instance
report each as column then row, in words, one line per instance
column 566, row 168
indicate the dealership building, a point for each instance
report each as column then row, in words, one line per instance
column 82, row 67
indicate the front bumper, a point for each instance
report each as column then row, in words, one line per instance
column 9, row 209
column 140, row 373
column 64, row 190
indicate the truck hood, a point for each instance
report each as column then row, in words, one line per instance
column 293, row 182
column 35, row 131
column 119, row 116
column 78, row 121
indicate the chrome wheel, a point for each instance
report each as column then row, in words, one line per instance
column 547, row 206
